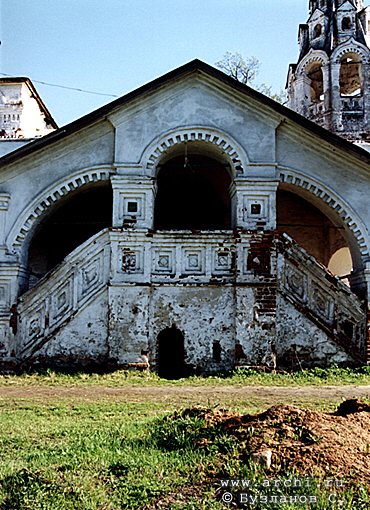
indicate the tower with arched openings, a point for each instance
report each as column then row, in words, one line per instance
column 330, row 83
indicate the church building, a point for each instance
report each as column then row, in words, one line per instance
column 195, row 225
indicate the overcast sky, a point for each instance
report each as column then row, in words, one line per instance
column 114, row 46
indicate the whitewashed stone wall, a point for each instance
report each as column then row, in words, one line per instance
column 112, row 296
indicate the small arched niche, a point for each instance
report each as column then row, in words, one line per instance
column 193, row 190
column 316, row 77
column 350, row 80
column 66, row 225
column 317, row 31
column 346, row 23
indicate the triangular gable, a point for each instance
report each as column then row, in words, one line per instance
column 193, row 67
column 347, row 6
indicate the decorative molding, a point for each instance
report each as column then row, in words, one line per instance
column 351, row 46
column 50, row 196
column 326, row 195
column 313, row 57
column 225, row 144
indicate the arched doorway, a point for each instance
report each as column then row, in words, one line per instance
column 66, row 225
column 171, row 354
column 193, row 193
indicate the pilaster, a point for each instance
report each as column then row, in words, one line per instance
column 255, row 204
column 133, row 201
column 4, row 206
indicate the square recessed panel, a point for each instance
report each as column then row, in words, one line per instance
column 61, row 301
column 35, row 325
column 133, row 206
column 193, row 261
column 295, row 282
column 222, row 261
column 321, row 303
column 131, row 261
column 256, row 208
column 3, row 294
column 91, row 275
column 163, row 261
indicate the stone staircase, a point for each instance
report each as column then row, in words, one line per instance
column 122, row 260
column 61, row 294
column 322, row 297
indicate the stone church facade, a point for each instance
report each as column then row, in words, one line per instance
column 193, row 225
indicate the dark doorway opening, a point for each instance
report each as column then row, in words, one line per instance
column 193, row 194
column 171, row 354
column 69, row 223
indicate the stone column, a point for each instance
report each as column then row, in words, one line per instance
column 302, row 93
column 336, row 100
column 366, row 95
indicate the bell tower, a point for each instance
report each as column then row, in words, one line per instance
column 330, row 83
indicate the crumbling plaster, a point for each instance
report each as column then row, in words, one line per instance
column 213, row 286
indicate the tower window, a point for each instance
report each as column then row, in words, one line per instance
column 317, row 83
column 317, row 31
column 350, row 76
column 346, row 23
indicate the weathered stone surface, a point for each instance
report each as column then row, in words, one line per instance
column 222, row 292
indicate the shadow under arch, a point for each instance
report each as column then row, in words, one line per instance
column 193, row 189
column 64, row 226
column 319, row 229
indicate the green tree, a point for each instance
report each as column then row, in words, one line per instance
column 245, row 70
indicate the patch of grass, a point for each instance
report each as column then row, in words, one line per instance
column 311, row 377
column 110, row 454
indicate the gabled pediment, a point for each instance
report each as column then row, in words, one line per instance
column 347, row 6
column 195, row 94
column 316, row 15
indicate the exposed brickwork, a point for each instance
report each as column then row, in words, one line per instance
column 266, row 299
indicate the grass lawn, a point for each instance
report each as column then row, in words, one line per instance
column 105, row 451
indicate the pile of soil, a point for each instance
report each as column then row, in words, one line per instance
column 310, row 442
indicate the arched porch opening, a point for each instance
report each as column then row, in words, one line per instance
column 67, row 224
column 193, row 190
column 316, row 228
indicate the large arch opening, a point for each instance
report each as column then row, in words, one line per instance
column 193, row 192
column 171, row 354
column 350, row 81
column 66, row 225
column 317, row 233
column 315, row 75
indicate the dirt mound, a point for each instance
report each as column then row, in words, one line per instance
column 310, row 442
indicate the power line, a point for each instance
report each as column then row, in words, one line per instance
column 65, row 87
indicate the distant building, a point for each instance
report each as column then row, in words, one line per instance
column 330, row 84
column 23, row 115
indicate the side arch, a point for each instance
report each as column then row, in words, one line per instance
column 220, row 142
column 313, row 57
column 340, row 210
column 351, row 46
column 33, row 211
